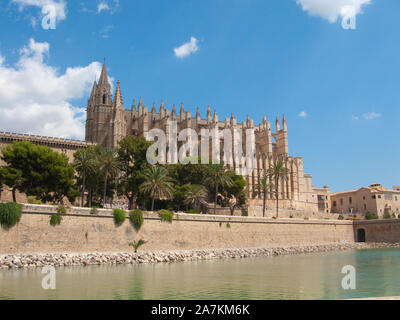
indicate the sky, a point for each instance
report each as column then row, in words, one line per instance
column 331, row 66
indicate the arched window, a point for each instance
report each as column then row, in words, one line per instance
column 104, row 99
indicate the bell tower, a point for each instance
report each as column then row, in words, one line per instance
column 100, row 112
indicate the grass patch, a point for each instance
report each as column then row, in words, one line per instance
column 61, row 210
column 34, row 200
column 136, row 218
column 370, row 216
column 10, row 214
column 192, row 211
column 55, row 219
column 119, row 216
column 166, row 215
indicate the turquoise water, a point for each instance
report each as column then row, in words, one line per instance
column 306, row 276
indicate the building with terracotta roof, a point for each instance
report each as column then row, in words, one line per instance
column 375, row 199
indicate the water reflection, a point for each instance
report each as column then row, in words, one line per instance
column 308, row 276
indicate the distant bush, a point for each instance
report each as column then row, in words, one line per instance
column 94, row 210
column 61, row 210
column 274, row 218
column 166, row 215
column 370, row 216
column 136, row 218
column 228, row 225
column 387, row 216
column 341, row 217
column 393, row 216
column 55, row 219
column 10, row 214
column 192, row 211
column 220, row 224
column 34, row 200
column 119, row 216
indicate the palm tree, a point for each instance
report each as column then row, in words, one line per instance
column 157, row 184
column 217, row 176
column 263, row 187
column 84, row 163
column 109, row 165
column 196, row 196
column 278, row 172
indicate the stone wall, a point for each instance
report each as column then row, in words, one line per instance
column 379, row 230
column 81, row 232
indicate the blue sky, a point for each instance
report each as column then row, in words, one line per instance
column 339, row 88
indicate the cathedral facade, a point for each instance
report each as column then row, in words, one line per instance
column 108, row 122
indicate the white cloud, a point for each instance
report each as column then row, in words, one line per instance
column 102, row 6
column 59, row 5
column 332, row 9
column 36, row 98
column 187, row 48
column 371, row 115
column 367, row 116
column 303, row 114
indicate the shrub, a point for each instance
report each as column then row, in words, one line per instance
column 94, row 210
column 166, row 215
column 228, row 225
column 387, row 216
column 393, row 216
column 220, row 224
column 136, row 217
column 274, row 218
column 34, row 200
column 119, row 216
column 341, row 217
column 10, row 214
column 55, row 219
column 137, row 244
column 370, row 216
column 192, row 211
column 61, row 210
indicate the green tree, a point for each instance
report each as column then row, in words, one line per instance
column 278, row 172
column 196, row 196
column 12, row 178
column 38, row 171
column 236, row 189
column 217, row 176
column 262, row 188
column 157, row 184
column 179, row 195
column 132, row 158
column 84, row 164
column 109, row 167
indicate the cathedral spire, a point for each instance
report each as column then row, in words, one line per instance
column 277, row 125
column 118, row 102
column 208, row 113
column 284, row 124
column 93, row 89
column 215, row 117
column 133, row 105
column 103, row 76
